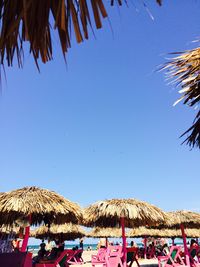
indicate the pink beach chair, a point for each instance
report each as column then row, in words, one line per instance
column 99, row 258
column 114, row 256
column 173, row 259
column 195, row 256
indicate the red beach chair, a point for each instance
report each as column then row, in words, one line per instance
column 76, row 257
column 20, row 259
column 132, row 255
column 60, row 261
column 173, row 259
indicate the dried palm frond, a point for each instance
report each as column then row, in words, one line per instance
column 185, row 70
column 189, row 219
column 41, row 204
column 32, row 21
column 105, row 232
column 67, row 231
column 150, row 232
column 136, row 213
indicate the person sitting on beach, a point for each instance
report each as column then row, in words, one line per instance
column 49, row 245
column 41, row 253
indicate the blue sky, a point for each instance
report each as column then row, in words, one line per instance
column 103, row 126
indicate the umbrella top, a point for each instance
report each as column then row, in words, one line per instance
column 151, row 232
column 189, row 219
column 105, row 232
column 136, row 213
column 67, row 231
column 40, row 204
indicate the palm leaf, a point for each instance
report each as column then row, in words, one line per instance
column 184, row 69
column 31, row 21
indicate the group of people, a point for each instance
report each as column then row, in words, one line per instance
column 49, row 252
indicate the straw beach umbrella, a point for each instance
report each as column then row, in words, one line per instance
column 33, row 21
column 127, row 212
column 35, row 205
column 67, row 231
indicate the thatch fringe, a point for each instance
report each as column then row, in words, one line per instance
column 98, row 232
column 185, row 70
column 41, row 204
column 136, row 213
column 189, row 219
column 33, row 21
column 67, row 231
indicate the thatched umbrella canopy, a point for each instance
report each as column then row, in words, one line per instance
column 108, row 213
column 67, row 231
column 188, row 219
column 7, row 229
column 151, row 232
column 43, row 206
column 185, row 70
column 34, row 20
column 106, row 232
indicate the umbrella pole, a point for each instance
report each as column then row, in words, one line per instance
column 25, row 240
column 124, row 241
column 187, row 256
column 173, row 241
column 145, row 247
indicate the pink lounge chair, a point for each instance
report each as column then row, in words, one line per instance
column 195, row 256
column 60, row 261
column 110, row 257
column 99, row 258
column 173, row 259
column 114, row 256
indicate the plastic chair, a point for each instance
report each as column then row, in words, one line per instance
column 172, row 259
column 132, row 254
column 99, row 258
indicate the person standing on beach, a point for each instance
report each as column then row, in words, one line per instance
column 81, row 243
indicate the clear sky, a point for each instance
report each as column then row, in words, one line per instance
column 104, row 125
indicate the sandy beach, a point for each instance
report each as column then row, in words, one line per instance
column 143, row 262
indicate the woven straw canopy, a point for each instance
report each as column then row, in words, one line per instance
column 185, row 71
column 34, row 20
column 105, row 232
column 41, row 204
column 136, row 213
column 187, row 218
column 149, row 232
column 67, row 231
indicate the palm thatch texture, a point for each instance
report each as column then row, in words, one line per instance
column 185, row 70
column 67, row 231
column 165, row 232
column 98, row 232
column 188, row 219
column 33, row 21
column 43, row 206
column 136, row 213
